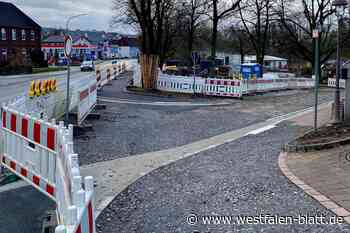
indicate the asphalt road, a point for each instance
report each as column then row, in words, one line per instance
column 22, row 210
column 12, row 86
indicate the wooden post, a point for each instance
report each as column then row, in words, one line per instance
column 149, row 70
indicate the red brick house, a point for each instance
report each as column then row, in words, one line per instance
column 18, row 33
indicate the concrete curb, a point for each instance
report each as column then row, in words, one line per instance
column 166, row 103
column 290, row 147
column 322, row 199
column 125, row 90
column 163, row 94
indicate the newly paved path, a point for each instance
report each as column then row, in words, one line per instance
column 239, row 178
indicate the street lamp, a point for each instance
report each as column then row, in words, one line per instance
column 316, row 36
column 340, row 6
column 68, row 69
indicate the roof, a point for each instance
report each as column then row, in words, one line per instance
column 11, row 16
column 266, row 58
column 54, row 39
column 60, row 38
column 126, row 41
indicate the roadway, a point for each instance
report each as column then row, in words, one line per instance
column 12, row 86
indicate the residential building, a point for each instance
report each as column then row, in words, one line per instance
column 19, row 34
column 125, row 47
column 270, row 62
column 83, row 49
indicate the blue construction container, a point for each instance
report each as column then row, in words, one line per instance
column 251, row 70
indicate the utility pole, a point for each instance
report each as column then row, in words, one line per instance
column 68, row 66
column 316, row 36
column 338, row 73
column 340, row 6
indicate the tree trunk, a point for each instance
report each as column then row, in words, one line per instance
column 149, row 70
column 190, row 46
column 214, row 39
column 241, row 49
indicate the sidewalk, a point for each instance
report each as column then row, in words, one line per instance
column 321, row 174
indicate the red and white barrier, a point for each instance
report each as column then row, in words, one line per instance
column 249, row 86
column 115, row 72
column 105, row 74
column 109, row 74
column 232, row 88
column 30, row 149
column 87, row 101
column 42, row 154
column 223, row 87
column 180, row 84
column 98, row 76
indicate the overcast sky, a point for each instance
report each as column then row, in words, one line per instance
column 53, row 13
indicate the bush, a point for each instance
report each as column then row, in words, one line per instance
column 16, row 64
column 38, row 58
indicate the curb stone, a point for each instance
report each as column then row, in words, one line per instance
column 294, row 147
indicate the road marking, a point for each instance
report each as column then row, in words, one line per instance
column 261, row 130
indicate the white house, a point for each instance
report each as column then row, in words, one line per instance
column 270, row 62
column 125, row 46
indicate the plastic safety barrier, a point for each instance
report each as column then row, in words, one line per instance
column 105, row 74
column 332, row 82
column 42, row 154
column 87, row 101
column 249, row 86
column 98, row 75
column 109, row 75
column 30, row 149
column 115, row 72
column 181, row 84
column 223, row 87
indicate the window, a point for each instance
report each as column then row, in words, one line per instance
column 3, row 34
column 32, row 35
column 23, row 34
column 14, row 34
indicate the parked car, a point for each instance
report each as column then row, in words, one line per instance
column 87, row 66
column 62, row 62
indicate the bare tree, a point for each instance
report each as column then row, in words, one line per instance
column 255, row 17
column 193, row 16
column 152, row 19
column 221, row 9
column 300, row 18
column 240, row 41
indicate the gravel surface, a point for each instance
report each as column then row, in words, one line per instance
column 126, row 129
column 241, row 178
column 22, row 210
